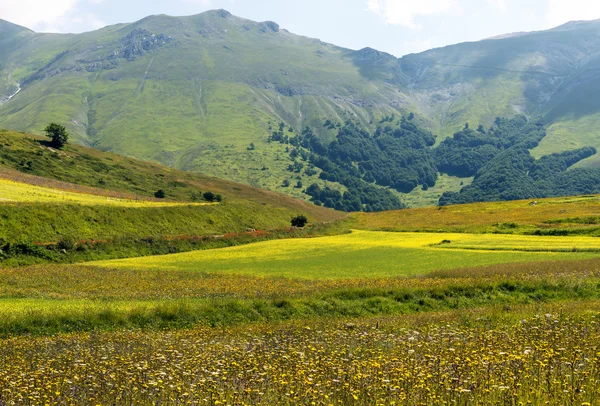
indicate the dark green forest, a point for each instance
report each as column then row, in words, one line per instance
column 400, row 155
column 512, row 173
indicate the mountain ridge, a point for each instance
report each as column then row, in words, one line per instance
column 197, row 90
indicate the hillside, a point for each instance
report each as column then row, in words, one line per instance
column 207, row 92
column 30, row 155
column 92, row 204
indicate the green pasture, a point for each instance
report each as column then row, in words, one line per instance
column 363, row 254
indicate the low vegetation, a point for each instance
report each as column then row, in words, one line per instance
column 28, row 159
column 361, row 254
column 554, row 216
column 509, row 353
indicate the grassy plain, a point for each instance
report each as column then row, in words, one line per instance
column 363, row 254
column 50, row 299
column 363, row 318
column 457, row 305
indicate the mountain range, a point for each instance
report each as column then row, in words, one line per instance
column 207, row 92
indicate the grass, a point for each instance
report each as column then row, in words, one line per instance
column 45, row 299
column 533, row 354
column 561, row 216
column 522, row 243
column 16, row 192
column 360, row 254
column 102, row 203
column 430, row 197
column 48, row 223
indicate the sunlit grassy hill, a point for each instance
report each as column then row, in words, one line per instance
column 83, row 166
column 89, row 201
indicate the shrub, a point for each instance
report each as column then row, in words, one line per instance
column 299, row 221
column 208, row 196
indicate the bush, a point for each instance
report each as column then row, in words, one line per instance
column 299, row 221
column 160, row 194
column 65, row 243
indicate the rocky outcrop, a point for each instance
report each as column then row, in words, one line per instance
column 140, row 41
column 268, row 26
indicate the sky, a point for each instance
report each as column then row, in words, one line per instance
column 398, row 27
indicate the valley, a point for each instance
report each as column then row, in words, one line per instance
column 234, row 214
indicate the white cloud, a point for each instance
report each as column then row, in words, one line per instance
column 50, row 16
column 35, row 13
column 561, row 11
column 402, row 12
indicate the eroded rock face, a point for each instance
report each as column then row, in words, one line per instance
column 139, row 41
column 269, row 26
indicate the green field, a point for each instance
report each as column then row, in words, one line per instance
column 344, row 319
column 364, row 254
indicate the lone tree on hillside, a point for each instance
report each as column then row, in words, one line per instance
column 58, row 134
column 160, row 194
column 299, row 221
column 208, row 196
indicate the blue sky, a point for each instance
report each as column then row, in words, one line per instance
column 395, row 26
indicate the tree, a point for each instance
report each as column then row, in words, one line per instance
column 159, row 194
column 58, row 134
column 299, row 184
column 251, row 147
column 299, row 221
column 208, row 196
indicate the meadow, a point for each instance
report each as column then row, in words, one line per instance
column 367, row 254
column 530, row 355
column 552, row 216
column 361, row 318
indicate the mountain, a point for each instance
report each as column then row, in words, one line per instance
column 207, row 92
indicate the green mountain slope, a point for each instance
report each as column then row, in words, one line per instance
column 552, row 74
column 190, row 92
column 205, row 92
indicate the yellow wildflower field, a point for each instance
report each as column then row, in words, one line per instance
column 16, row 192
column 367, row 254
column 536, row 355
